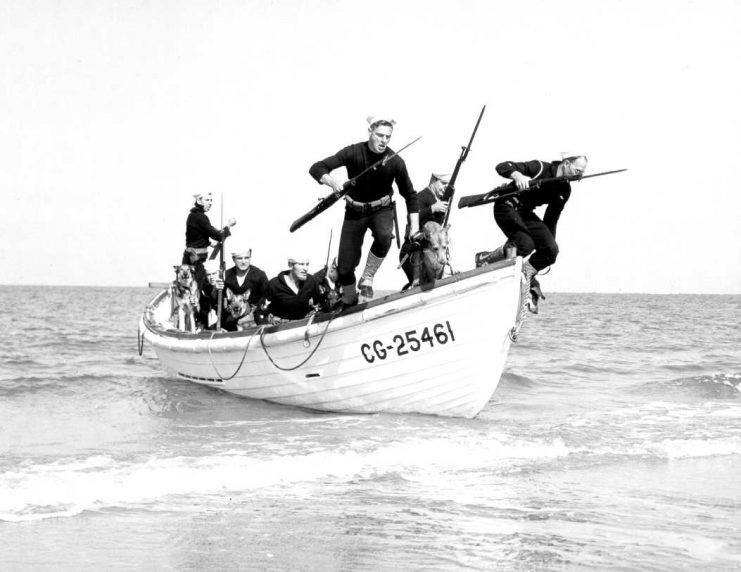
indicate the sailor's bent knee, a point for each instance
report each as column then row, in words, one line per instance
column 550, row 253
column 382, row 244
column 524, row 243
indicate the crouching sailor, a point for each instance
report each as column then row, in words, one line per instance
column 516, row 216
column 432, row 207
column 291, row 295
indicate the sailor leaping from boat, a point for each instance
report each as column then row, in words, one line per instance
column 515, row 214
column 368, row 204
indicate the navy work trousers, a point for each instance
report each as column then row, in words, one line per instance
column 528, row 233
column 381, row 225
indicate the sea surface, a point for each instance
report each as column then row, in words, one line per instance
column 612, row 442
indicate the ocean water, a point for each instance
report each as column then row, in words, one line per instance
column 613, row 442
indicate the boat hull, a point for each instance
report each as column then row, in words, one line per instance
column 439, row 351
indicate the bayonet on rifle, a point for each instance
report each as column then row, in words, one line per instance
column 450, row 191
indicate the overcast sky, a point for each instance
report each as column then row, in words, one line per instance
column 113, row 113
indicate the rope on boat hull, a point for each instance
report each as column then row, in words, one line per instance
column 244, row 355
column 524, row 293
column 306, row 341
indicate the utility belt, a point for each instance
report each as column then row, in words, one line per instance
column 196, row 253
column 367, row 208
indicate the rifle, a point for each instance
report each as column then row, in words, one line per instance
column 329, row 249
column 218, row 247
column 222, row 266
column 334, row 196
column 450, row 191
column 509, row 189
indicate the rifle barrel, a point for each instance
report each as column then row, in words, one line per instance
column 448, row 196
column 509, row 189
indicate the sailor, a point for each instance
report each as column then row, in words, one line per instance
column 245, row 276
column 516, row 216
column 209, row 295
column 431, row 205
column 431, row 208
column 291, row 295
column 198, row 231
column 368, row 204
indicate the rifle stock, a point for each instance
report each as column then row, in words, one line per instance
column 509, row 189
column 320, row 207
column 333, row 197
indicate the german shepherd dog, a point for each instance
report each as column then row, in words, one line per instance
column 239, row 309
column 184, row 298
column 430, row 257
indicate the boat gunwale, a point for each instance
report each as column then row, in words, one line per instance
column 319, row 317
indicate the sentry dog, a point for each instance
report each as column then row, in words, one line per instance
column 432, row 258
column 184, row 299
column 239, row 309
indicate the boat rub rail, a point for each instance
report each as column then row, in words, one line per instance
column 154, row 326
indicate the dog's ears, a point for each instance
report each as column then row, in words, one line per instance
column 176, row 267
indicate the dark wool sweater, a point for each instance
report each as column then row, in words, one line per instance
column 256, row 282
column 198, row 229
column 426, row 199
column 285, row 303
column 374, row 184
column 554, row 195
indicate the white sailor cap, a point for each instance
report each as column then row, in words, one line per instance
column 567, row 154
column 244, row 251
column 443, row 178
column 298, row 259
column 200, row 196
column 211, row 266
column 374, row 119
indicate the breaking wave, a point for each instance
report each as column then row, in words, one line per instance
column 67, row 488
column 714, row 385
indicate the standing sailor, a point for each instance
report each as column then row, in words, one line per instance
column 515, row 215
column 198, row 231
column 368, row 204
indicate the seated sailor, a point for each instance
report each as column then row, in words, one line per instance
column 245, row 285
column 209, row 296
column 291, row 295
